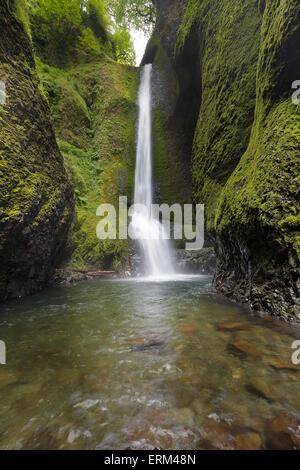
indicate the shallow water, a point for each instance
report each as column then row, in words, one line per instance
column 139, row 365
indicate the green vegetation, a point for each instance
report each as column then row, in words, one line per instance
column 81, row 61
column 67, row 31
column 94, row 113
column 139, row 13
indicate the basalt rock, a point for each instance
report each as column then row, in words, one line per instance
column 229, row 117
column 36, row 197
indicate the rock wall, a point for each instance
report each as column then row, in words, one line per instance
column 233, row 63
column 36, row 202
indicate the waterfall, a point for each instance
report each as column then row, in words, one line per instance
column 150, row 233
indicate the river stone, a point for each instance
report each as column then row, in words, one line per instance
column 283, row 432
column 263, row 389
column 243, row 348
column 233, row 327
column 249, row 441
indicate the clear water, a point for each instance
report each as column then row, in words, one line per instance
column 155, row 249
column 140, row 365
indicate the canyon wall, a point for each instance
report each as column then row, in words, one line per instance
column 232, row 65
column 36, row 203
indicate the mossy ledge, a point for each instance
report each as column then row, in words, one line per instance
column 37, row 204
column 233, row 64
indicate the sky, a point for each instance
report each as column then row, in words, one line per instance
column 139, row 42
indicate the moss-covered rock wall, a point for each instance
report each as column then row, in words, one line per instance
column 94, row 111
column 233, row 63
column 36, row 202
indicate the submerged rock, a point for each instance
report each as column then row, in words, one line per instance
column 260, row 387
column 233, row 327
column 149, row 342
column 217, row 437
column 249, row 441
column 243, row 348
column 283, row 432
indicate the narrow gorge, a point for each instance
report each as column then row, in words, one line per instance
column 116, row 343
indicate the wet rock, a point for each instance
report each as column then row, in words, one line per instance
column 260, row 387
column 217, row 437
column 249, row 441
column 149, row 342
column 283, row 432
column 233, row 327
column 279, row 364
column 243, row 348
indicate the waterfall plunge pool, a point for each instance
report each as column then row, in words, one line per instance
column 141, row 365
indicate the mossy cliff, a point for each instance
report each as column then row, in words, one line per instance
column 36, row 204
column 233, row 64
column 94, row 111
column 92, row 99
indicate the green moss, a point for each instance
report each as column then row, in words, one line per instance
column 260, row 190
column 263, row 189
column 171, row 171
column 36, row 204
column 100, row 158
column 229, row 62
column 192, row 13
column 21, row 8
column 70, row 113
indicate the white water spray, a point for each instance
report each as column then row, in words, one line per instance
column 155, row 249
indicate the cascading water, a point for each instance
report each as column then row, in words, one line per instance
column 149, row 231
